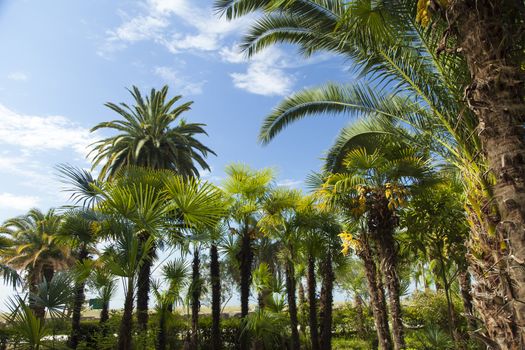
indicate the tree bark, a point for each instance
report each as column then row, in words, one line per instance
column 361, row 328
column 491, row 35
column 381, row 223
column 195, row 299
column 104, row 313
column 215, row 277
column 326, row 302
column 161, row 335
column 377, row 296
column 292, row 306
column 77, row 305
column 124, row 337
column 312, row 304
column 245, row 262
column 143, row 288
column 466, row 298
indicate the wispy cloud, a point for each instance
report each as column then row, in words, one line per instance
column 18, row 76
column 179, row 82
column 175, row 24
column 290, row 183
column 35, row 133
column 17, row 202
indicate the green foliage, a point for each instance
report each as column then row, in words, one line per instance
column 429, row 308
column 354, row 344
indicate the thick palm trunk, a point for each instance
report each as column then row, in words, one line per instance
column 104, row 313
column 326, row 302
column 124, row 336
column 491, row 36
column 292, row 306
column 377, row 295
column 312, row 304
column 143, row 288
column 215, row 277
column 381, row 223
column 245, row 262
column 77, row 306
column 195, row 299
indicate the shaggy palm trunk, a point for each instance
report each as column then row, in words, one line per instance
column 361, row 328
column 77, row 305
column 491, row 36
column 326, row 302
column 381, row 223
column 215, row 277
column 143, row 288
column 312, row 304
column 161, row 335
column 195, row 296
column 464, row 288
column 292, row 306
column 377, row 295
column 124, row 336
column 104, row 313
column 245, row 261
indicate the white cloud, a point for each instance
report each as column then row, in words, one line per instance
column 178, row 82
column 265, row 74
column 289, row 183
column 203, row 29
column 17, row 76
column 33, row 133
column 232, row 54
column 12, row 201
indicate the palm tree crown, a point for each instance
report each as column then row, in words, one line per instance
column 146, row 138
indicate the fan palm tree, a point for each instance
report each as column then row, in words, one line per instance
column 147, row 138
column 35, row 248
column 105, row 285
column 376, row 179
column 248, row 188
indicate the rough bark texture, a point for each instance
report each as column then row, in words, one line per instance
column 292, row 306
column 381, row 224
column 77, row 306
column 326, row 302
column 124, row 336
column 195, row 302
column 377, row 296
column 491, row 35
column 143, row 288
column 312, row 304
column 466, row 298
column 215, row 277
column 104, row 313
column 161, row 335
column 245, row 262
column 361, row 328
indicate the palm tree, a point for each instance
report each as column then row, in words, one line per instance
column 247, row 187
column 425, row 90
column 147, row 138
column 104, row 284
column 35, row 248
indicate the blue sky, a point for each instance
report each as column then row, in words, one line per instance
column 63, row 59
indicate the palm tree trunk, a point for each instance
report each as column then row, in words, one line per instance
column 490, row 36
column 312, row 302
column 245, row 261
column 77, row 305
column 464, row 288
column 215, row 276
column 161, row 335
column 143, row 288
column 292, row 306
column 377, row 295
column 124, row 336
column 195, row 296
column 104, row 313
column 326, row 302
column 358, row 304
column 381, row 224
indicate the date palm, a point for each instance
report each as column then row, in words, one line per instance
column 35, row 248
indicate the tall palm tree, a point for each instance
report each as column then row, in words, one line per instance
column 146, row 137
column 105, row 285
column 248, row 189
column 35, row 248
